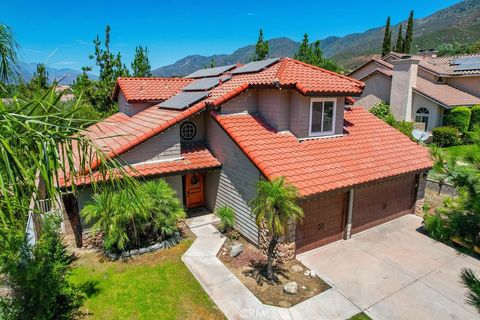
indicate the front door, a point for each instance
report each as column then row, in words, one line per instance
column 194, row 190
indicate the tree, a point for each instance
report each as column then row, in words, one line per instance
column 261, row 48
column 38, row 277
column 409, row 34
column 387, row 39
column 8, row 53
column 40, row 78
column 399, row 45
column 472, row 283
column 99, row 92
column 141, row 64
column 304, row 52
column 273, row 208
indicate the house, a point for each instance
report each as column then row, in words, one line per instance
column 215, row 133
column 420, row 88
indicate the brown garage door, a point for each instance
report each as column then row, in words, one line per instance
column 382, row 202
column 323, row 222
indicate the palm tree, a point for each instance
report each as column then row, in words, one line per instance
column 8, row 53
column 472, row 283
column 274, row 207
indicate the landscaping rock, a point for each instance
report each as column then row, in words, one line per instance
column 310, row 273
column 236, row 250
column 143, row 250
column 296, row 268
column 290, row 287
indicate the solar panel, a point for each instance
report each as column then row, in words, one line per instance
column 183, row 100
column 205, row 83
column 466, row 63
column 255, row 66
column 211, row 72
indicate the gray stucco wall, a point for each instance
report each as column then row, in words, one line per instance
column 377, row 89
column 130, row 108
column 163, row 146
column 246, row 102
column 273, row 106
column 199, row 122
column 236, row 183
column 435, row 116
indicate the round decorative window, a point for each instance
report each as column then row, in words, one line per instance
column 188, row 130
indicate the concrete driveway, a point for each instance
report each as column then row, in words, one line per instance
column 395, row 272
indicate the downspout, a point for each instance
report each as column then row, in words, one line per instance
column 348, row 228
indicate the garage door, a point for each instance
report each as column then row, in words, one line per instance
column 382, row 202
column 323, row 222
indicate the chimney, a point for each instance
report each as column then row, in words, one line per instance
column 404, row 78
column 428, row 53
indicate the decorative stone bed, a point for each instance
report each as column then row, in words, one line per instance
column 294, row 276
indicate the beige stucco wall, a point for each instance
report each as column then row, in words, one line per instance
column 435, row 116
column 467, row 84
column 404, row 78
column 366, row 70
column 377, row 89
column 130, row 108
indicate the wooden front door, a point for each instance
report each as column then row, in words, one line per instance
column 194, row 190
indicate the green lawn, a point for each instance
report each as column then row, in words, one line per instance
column 152, row 286
column 360, row 316
column 460, row 151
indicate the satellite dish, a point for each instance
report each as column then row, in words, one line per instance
column 420, row 135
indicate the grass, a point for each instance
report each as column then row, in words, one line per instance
column 152, row 286
column 360, row 316
column 460, row 151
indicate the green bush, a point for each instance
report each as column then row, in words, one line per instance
column 38, row 276
column 445, row 136
column 437, row 227
column 475, row 118
column 128, row 224
column 227, row 218
column 459, row 118
column 381, row 110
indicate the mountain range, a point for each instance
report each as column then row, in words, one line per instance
column 457, row 23
column 63, row 75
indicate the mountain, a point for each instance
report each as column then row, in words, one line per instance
column 457, row 23
column 64, row 75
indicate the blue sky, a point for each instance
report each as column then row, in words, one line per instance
column 60, row 33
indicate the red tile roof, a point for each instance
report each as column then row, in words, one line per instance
column 369, row 150
column 149, row 89
column 194, row 158
column 119, row 133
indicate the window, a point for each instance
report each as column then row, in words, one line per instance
column 422, row 116
column 188, row 130
column 322, row 116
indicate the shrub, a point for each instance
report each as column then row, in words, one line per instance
column 381, row 110
column 127, row 224
column 437, row 227
column 38, row 277
column 445, row 136
column 459, row 118
column 475, row 118
column 227, row 218
column 405, row 127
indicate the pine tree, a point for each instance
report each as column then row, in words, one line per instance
column 304, row 52
column 409, row 34
column 399, row 45
column 387, row 39
column 141, row 64
column 261, row 48
column 212, row 63
column 40, row 77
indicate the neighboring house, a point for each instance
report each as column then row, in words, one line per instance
column 420, row 88
column 214, row 134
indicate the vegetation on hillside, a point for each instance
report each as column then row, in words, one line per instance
column 261, row 48
column 403, row 44
column 312, row 53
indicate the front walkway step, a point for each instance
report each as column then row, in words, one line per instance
column 202, row 220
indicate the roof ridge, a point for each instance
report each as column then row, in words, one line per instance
column 327, row 71
column 154, row 78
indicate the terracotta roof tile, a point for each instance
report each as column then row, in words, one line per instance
column 369, row 150
column 149, row 89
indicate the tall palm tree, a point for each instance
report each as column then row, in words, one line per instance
column 274, row 207
column 8, row 53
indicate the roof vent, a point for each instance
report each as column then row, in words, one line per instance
column 406, row 57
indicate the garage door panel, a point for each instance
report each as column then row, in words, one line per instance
column 323, row 222
column 381, row 202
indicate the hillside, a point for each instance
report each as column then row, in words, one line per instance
column 460, row 23
column 64, row 75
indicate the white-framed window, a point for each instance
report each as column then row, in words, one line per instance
column 322, row 116
column 422, row 115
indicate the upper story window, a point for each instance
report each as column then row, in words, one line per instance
column 322, row 116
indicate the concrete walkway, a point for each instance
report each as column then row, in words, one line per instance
column 235, row 300
column 395, row 272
